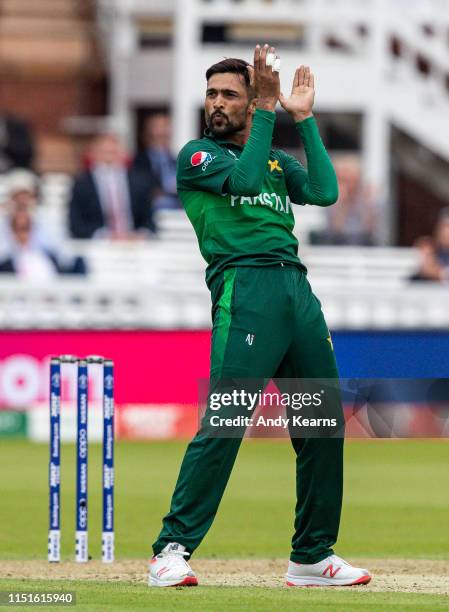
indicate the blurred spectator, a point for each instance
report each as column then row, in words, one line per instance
column 109, row 199
column 22, row 195
column 16, row 143
column 157, row 162
column 353, row 219
column 434, row 252
column 22, row 188
column 27, row 258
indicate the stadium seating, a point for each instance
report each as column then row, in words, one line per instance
column 159, row 283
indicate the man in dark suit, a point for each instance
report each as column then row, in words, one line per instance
column 110, row 200
column 16, row 143
column 157, row 162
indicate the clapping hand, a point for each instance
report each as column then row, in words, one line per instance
column 300, row 102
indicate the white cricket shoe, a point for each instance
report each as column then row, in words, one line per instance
column 332, row 571
column 169, row 568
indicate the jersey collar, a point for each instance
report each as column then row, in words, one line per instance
column 208, row 134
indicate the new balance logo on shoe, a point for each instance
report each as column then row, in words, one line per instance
column 331, row 570
column 250, row 339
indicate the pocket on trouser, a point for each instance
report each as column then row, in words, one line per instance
column 312, row 349
column 314, row 317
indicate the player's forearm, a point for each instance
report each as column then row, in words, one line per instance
column 321, row 187
column 249, row 172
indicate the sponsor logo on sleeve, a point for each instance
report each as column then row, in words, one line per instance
column 201, row 158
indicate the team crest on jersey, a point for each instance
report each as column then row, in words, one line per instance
column 200, row 157
column 274, row 165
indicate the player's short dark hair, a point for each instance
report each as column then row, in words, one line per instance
column 231, row 64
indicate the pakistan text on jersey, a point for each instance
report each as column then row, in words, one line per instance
column 279, row 203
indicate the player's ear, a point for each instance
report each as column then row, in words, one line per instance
column 252, row 106
column 251, row 92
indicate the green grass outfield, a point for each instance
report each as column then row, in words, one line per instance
column 124, row 596
column 396, row 506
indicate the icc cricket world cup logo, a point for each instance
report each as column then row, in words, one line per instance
column 55, row 380
column 82, row 381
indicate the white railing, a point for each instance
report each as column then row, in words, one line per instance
column 159, row 284
column 177, row 304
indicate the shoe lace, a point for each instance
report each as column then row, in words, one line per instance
column 177, row 556
column 338, row 560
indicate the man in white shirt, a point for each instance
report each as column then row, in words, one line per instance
column 28, row 258
column 30, row 246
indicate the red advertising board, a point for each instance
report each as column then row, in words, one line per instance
column 156, row 376
column 157, row 379
column 152, row 367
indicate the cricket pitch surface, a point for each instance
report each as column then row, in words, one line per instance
column 398, row 575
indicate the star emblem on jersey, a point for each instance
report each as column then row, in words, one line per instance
column 274, row 165
column 200, row 157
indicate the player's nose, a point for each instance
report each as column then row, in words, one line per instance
column 219, row 102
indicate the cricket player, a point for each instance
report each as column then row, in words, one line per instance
column 238, row 193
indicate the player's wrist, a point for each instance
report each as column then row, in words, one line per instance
column 299, row 117
column 268, row 104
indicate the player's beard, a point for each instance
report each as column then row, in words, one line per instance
column 226, row 127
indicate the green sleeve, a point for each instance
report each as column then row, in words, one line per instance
column 249, row 172
column 221, row 173
column 318, row 184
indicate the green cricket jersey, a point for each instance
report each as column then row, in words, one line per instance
column 239, row 199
